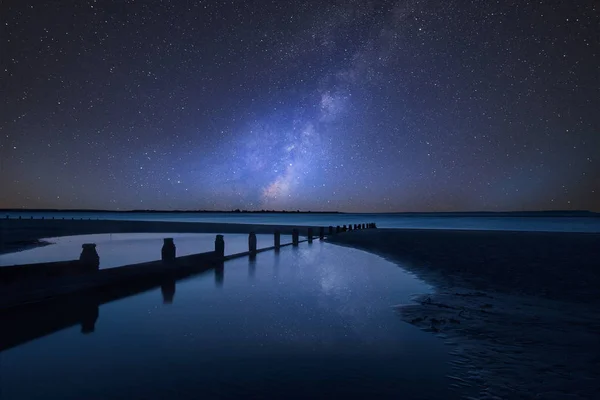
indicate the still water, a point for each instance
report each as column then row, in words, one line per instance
column 311, row 322
column 119, row 249
column 428, row 221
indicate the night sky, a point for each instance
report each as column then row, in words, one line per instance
column 311, row 105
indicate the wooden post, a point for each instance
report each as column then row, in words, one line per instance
column 338, row 229
column 310, row 235
column 168, row 250
column 295, row 237
column 344, row 228
column 350, row 227
column 277, row 240
column 321, row 233
column 219, row 246
column 330, row 230
column 89, row 257
column 252, row 243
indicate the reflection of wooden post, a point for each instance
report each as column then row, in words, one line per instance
column 89, row 257
column 89, row 318
column 219, row 274
column 310, row 235
column 168, row 250
column 321, row 233
column 219, row 246
column 168, row 291
column 252, row 243
column 295, row 236
column 277, row 239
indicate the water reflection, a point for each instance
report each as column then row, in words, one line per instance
column 29, row 322
column 90, row 316
column 168, row 291
column 309, row 322
column 252, row 266
column 219, row 275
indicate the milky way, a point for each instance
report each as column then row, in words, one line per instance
column 310, row 105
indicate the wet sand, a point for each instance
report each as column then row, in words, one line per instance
column 520, row 310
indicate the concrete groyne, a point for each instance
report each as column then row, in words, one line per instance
column 39, row 299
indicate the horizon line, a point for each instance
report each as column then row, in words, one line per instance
column 264, row 211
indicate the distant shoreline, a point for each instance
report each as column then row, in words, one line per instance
column 551, row 213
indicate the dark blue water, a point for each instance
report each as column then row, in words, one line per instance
column 311, row 322
column 504, row 222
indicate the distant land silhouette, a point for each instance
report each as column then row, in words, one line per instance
column 548, row 213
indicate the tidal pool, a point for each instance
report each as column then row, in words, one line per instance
column 311, row 322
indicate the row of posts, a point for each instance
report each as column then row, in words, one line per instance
column 169, row 249
column 72, row 218
column 89, row 255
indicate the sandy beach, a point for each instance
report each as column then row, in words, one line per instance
column 519, row 309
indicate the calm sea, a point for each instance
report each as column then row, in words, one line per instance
column 504, row 222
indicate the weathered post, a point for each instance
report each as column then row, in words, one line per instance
column 310, row 235
column 322, row 233
column 337, row 229
column 252, row 243
column 330, row 230
column 295, row 237
column 89, row 257
column 277, row 239
column 363, row 226
column 350, row 227
column 219, row 246
column 344, row 228
column 168, row 250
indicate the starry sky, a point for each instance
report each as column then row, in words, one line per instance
column 355, row 105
